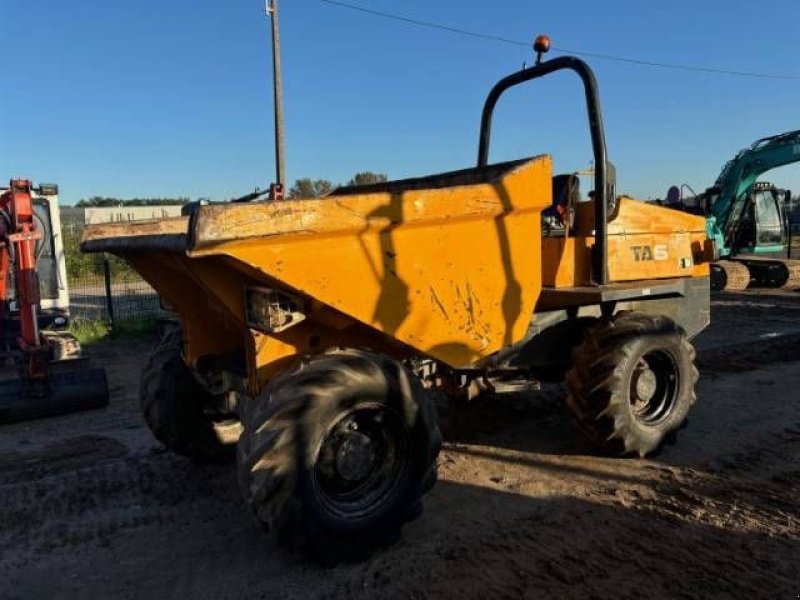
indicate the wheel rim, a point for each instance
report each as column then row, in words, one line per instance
column 362, row 459
column 654, row 387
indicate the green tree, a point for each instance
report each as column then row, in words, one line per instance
column 310, row 188
column 368, row 177
column 98, row 201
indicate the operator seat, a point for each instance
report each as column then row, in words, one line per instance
column 566, row 195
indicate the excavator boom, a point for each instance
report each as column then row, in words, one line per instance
column 18, row 231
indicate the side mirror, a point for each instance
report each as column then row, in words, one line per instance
column 611, row 188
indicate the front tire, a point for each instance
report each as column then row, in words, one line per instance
column 632, row 383
column 178, row 411
column 337, row 453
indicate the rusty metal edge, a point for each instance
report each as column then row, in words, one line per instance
column 169, row 242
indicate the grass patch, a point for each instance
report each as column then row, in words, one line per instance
column 134, row 328
column 91, row 332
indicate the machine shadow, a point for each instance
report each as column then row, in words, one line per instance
column 531, row 422
column 392, row 305
column 495, row 544
column 478, row 541
column 512, row 296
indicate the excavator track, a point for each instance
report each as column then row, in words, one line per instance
column 772, row 272
column 729, row 275
column 793, row 281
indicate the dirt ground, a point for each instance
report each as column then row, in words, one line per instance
column 90, row 506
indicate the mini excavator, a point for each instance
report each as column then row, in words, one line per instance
column 51, row 376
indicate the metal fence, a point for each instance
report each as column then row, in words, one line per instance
column 104, row 287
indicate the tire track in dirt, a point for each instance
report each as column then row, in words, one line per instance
column 571, row 548
column 750, row 355
column 45, row 508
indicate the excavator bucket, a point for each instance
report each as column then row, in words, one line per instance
column 71, row 386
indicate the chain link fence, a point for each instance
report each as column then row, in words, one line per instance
column 103, row 287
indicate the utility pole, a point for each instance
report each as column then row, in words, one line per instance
column 271, row 7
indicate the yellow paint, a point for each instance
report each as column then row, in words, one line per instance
column 644, row 242
column 453, row 272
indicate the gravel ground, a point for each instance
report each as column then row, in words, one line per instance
column 91, row 506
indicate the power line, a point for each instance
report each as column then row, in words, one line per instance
column 485, row 36
column 497, row 38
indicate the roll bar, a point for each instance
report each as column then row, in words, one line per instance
column 601, row 188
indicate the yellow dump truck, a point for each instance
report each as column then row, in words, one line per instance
column 317, row 331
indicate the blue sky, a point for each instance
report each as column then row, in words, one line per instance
column 173, row 98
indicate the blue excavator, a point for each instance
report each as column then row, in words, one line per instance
column 748, row 219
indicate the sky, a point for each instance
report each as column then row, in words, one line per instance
column 160, row 98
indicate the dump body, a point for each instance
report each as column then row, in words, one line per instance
column 449, row 266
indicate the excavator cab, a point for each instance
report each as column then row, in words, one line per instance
column 762, row 228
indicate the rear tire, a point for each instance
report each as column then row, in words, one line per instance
column 337, row 453
column 632, row 383
column 178, row 411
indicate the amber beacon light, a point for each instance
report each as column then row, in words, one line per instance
column 541, row 46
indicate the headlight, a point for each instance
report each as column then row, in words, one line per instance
column 272, row 311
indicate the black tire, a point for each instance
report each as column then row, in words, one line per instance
column 337, row 453
column 632, row 383
column 178, row 411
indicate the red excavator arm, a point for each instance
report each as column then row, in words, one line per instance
column 18, row 231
